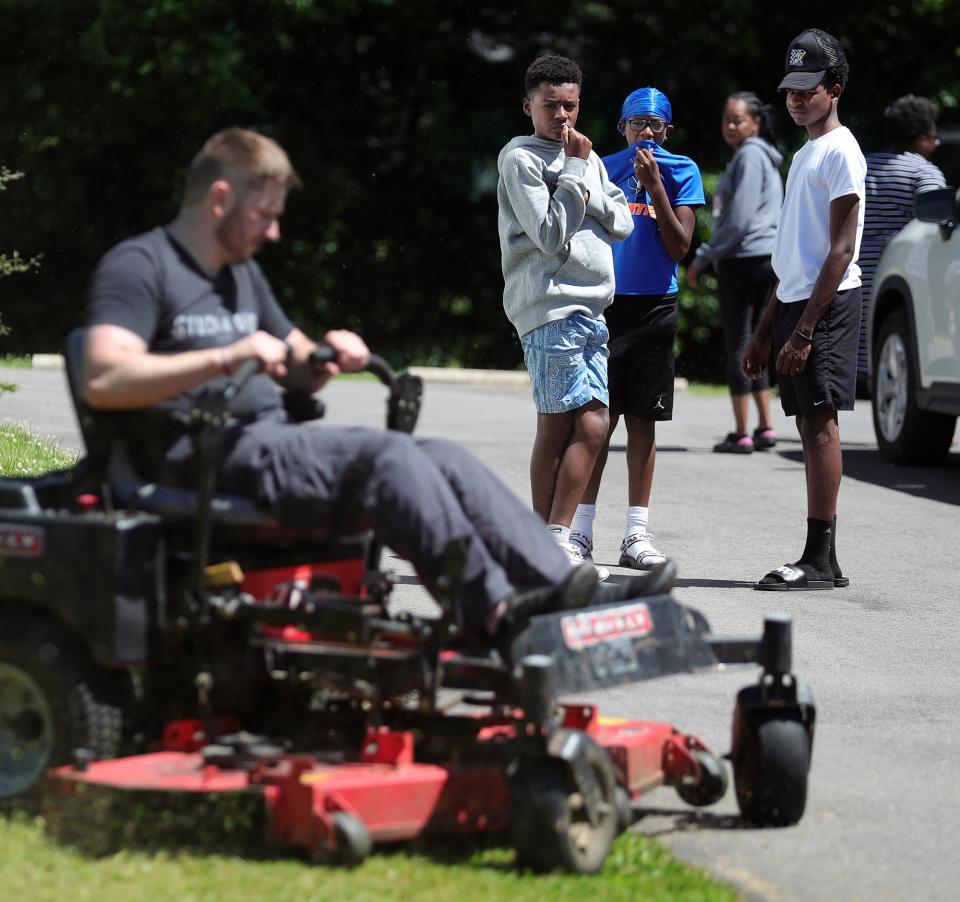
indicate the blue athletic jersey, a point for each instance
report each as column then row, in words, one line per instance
column 641, row 262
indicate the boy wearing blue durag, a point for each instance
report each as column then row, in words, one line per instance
column 663, row 190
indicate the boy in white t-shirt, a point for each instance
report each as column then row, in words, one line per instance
column 813, row 318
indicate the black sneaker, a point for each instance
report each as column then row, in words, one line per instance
column 764, row 439
column 735, row 444
column 575, row 590
column 658, row 581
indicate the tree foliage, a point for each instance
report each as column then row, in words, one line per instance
column 393, row 111
column 12, row 263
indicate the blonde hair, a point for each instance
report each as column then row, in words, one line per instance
column 242, row 157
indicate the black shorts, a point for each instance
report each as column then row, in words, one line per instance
column 829, row 380
column 643, row 330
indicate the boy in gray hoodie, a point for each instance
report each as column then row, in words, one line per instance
column 558, row 215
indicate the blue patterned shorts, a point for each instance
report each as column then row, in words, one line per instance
column 567, row 362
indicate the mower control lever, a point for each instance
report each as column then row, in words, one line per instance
column 324, row 353
column 403, row 405
column 239, row 379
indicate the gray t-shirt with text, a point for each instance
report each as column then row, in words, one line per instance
column 151, row 286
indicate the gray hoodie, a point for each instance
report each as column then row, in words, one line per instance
column 554, row 247
column 746, row 205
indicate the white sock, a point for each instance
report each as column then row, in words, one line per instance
column 583, row 520
column 637, row 518
column 561, row 534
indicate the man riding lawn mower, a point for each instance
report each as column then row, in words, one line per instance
column 245, row 642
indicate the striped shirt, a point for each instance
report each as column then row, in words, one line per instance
column 892, row 180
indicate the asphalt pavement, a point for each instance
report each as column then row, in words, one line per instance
column 881, row 655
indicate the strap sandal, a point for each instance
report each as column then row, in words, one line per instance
column 637, row 551
column 584, row 543
column 583, row 547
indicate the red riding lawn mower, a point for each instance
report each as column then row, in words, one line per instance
column 183, row 645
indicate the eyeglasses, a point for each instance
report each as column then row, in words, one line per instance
column 638, row 125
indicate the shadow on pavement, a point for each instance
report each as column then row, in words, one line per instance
column 661, row 449
column 713, row 584
column 680, row 820
column 939, row 483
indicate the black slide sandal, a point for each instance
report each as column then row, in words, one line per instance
column 795, row 578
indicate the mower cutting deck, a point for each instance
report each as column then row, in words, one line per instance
column 558, row 778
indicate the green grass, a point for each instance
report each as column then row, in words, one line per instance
column 23, row 454
column 356, row 377
column 710, row 390
column 34, row 867
column 16, row 363
column 707, row 390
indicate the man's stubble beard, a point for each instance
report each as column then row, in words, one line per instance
column 229, row 235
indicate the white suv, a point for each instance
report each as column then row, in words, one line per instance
column 915, row 333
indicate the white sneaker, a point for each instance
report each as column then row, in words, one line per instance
column 584, row 545
column 638, row 552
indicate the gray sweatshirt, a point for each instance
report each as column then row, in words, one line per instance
column 554, row 247
column 746, row 205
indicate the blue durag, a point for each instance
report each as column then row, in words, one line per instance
column 646, row 102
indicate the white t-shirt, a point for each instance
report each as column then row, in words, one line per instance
column 824, row 169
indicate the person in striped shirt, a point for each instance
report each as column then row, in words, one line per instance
column 893, row 177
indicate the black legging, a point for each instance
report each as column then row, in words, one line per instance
column 744, row 286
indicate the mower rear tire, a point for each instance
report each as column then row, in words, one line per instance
column 53, row 703
column 771, row 761
column 549, row 824
column 711, row 785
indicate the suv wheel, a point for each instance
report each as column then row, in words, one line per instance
column 905, row 433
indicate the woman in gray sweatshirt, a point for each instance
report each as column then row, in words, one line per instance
column 746, row 208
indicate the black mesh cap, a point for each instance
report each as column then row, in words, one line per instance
column 809, row 56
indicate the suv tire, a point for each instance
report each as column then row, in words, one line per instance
column 906, row 434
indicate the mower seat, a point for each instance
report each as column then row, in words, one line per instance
column 108, row 437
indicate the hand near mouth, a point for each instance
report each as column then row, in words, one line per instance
column 575, row 144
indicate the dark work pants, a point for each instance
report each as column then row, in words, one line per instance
column 743, row 290
column 417, row 495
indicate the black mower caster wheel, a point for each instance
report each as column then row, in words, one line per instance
column 550, row 826
column 353, row 843
column 621, row 801
column 712, row 784
column 771, row 761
